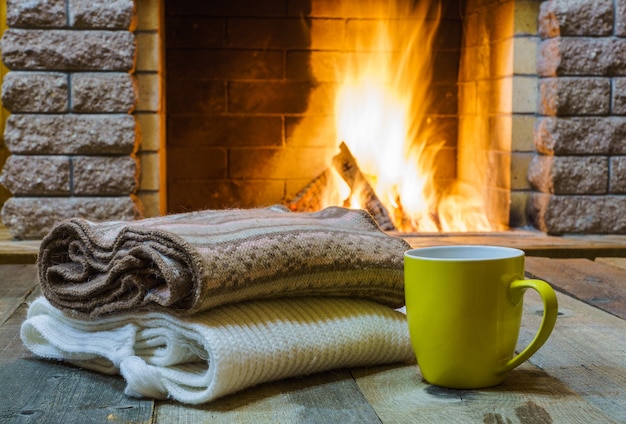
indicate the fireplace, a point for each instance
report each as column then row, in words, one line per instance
column 143, row 107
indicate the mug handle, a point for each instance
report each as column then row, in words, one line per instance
column 550, row 312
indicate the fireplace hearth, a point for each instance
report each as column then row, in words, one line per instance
column 135, row 108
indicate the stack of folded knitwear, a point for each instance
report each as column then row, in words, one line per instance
column 199, row 305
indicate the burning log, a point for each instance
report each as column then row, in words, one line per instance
column 310, row 197
column 349, row 170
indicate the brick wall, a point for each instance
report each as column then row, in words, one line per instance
column 579, row 172
column 75, row 126
column 84, row 92
column 250, row 94
column 498, row 105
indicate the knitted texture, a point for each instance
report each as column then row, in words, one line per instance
column 195, row 261
column 223, row 350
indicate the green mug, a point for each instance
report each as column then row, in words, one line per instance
column 464, row 311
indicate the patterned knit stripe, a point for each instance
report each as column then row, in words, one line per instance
column 372, row 285
column 216, row 222
column 163, row 268
column 229, row 226
column 224, row 222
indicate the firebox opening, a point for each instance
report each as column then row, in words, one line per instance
column 260, row 98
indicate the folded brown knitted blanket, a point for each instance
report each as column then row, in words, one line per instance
column 195, row 261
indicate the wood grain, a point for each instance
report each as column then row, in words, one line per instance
column 532, row 242
column 578, row 376
column 598, row 284
column 586, row 352
column 16, row 283
column 331, row 397
column 618, row 262
column 47, row 392
column 36, row 390
column 528, row 395
column 17, row 251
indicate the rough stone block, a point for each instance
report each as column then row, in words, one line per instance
column 104, row 176
column 617, row 179
column 34, row 217
column 71, row 134
column 578, row 135
column 562, row 214
column 569, row 174
column 582, row 56
column 109, row 14
column 112, row 92
column 36, row 13
column 68, row 50
column 575, row 17
column 574, row 96
column 618, row 139
column 40, row 92
column 36, row 175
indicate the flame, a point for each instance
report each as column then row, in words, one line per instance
column 381, row 110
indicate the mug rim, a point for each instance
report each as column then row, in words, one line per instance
column 464, row 253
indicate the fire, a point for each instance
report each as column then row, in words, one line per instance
column 381, row 110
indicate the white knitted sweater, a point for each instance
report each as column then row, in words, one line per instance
column 199, row 358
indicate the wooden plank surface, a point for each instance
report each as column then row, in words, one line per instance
column 331, row 397
column 16, row 283
column 618, row 262
column 586, row 352
column 34, row 390
column 49, row 392
column 595, row 283
column 17, row 251
column 532, row 242
column 579, row 376
column 528, row 395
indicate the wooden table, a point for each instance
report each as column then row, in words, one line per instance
column 579, row 376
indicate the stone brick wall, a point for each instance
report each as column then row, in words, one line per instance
column 74, row 130
column 86, row 130
column 498, row 104
column 579, row 172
